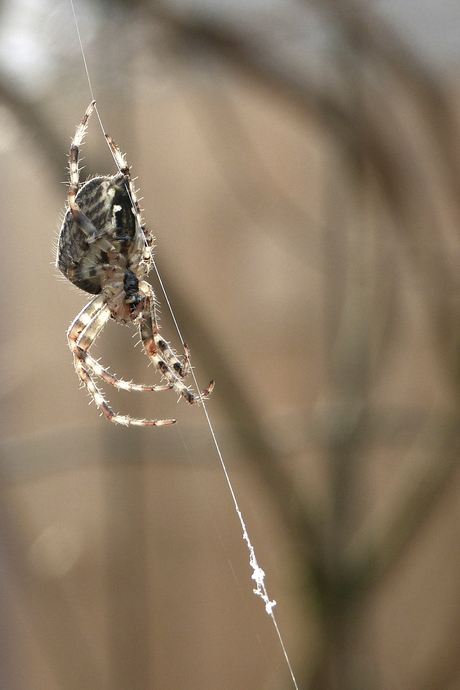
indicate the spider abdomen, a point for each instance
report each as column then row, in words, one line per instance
column 105, row 202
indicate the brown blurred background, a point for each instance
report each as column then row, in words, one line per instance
column 299, row 165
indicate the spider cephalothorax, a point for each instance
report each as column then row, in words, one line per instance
column 105, row 249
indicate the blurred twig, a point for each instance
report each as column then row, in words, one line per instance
column 31, row 118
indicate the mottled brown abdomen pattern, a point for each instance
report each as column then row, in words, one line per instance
column 106, row 204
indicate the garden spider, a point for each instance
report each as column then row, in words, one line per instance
column 105, row 249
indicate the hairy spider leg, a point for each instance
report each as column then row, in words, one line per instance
column 82, row 333
column 79, row 217
column 106, row 410
column 81, row 272
column 163, row 356
column 124, row 169
column 83, row 222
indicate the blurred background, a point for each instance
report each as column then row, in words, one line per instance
column 299, row 165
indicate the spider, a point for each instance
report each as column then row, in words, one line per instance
column 105, row 249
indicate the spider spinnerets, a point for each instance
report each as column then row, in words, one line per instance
column 105, row 249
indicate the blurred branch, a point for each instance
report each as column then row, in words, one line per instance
column 375, row 548
column 30, row 117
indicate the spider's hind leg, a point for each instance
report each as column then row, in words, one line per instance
column 164, row 358
column 81, row 335
column 101, row 403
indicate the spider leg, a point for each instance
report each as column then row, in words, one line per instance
column 82, row 333
column 79, row 217
column 124, row 169
column 106, row 410
column 82, row 221
column 163, row 357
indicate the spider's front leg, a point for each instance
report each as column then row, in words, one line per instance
column 163, row 357
column 81, row 334
column 83, row 222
